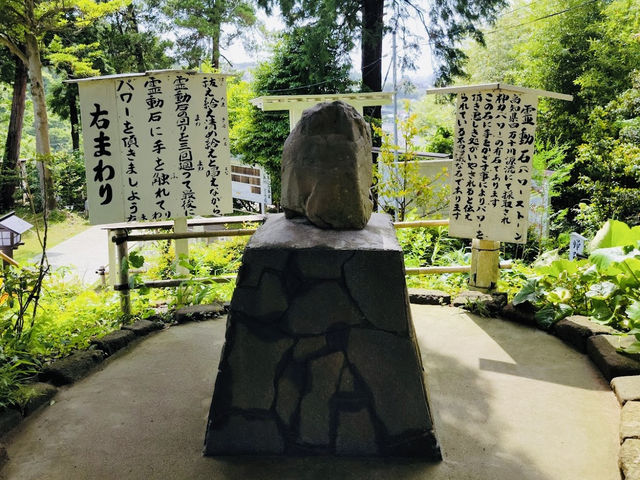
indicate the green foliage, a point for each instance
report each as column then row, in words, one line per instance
column 68, row 173
column 200, row 26
column 398, row 180
column 608, row 163
column 605, row 287
column 590, row 51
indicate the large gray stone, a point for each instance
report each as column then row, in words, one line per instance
column 629, row 459
column 326, row 168
column 630, row 421
column 626, row 388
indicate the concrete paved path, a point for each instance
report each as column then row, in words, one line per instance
column 509, row 403
column 83, row 254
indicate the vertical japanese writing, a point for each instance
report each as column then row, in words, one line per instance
column 185, row 154
column 104, row 172
column 492, row 165
column 161, row 179
column 214, row 120
column 130, row 147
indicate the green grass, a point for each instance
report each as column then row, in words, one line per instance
column 62, row 226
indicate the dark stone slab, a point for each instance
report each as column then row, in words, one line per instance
column 575, row 330
column 267, row 301
column 314, row 264
column 315, row 408
column 602, row 349
column 239, row 435
column 422, row 296
column 9, row 419
column 4, row 456
column 71, row 368
column 38, row 394
column 479, row 302
column 382, row 298
column 143, row 327
column 114, row 341
column 523, row 313
column 356, row 435
column 323, row 307
column 193, row 313
column 253, row 367
column 255, row 262
column 389, row 366
column 309, row 347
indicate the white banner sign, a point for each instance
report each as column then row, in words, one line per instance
column 156, row 146
column 491, row 173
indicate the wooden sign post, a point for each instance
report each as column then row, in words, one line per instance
column 490, row 177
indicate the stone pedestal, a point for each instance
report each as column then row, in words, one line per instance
column 320, row 354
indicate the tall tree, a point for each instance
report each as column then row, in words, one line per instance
column 9, row 174
column 131, row 42
column 201, row 27
column 445, row 23
column 24, row 24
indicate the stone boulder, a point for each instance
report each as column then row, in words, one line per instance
column 326, row 168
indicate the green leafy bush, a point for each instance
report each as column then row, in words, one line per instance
column 605, row 287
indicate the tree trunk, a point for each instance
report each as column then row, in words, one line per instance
column 9, row 175
column 43, row 147
column 371, row 63
column 74, row 119
column 132, row 20
column 371, row 45
column 216, row 25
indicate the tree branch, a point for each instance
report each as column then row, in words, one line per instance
column 13, row 48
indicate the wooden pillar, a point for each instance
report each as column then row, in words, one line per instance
column 181, row 244
column 485, row 265
column 113, row 263
column 122, row 277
